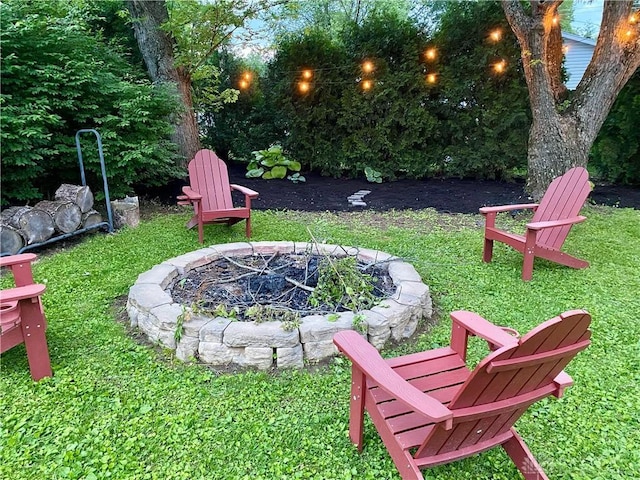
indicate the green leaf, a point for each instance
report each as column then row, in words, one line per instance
column 295, row 166
column 279, row 172
column 270, row 162
column 254, row 173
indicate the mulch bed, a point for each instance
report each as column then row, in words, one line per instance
column 450, row 195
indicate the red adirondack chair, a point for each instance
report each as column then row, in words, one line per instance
column 210, row 194
column 553, row 218
column 22, row 318
column 430, row 409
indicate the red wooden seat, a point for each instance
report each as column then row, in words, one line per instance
column 22, row 318
column 430, row 409
column 553, row 218
column 210, row 194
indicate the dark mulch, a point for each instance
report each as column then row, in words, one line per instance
column 445, row 195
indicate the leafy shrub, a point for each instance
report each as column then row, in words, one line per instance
column 58, row 77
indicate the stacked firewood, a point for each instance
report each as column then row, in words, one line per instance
column 71, row 210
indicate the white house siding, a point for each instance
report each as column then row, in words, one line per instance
column 578, row 54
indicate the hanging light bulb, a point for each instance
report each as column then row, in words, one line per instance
column 304, row 87
column 307, row 74
column 243, row 84
column 500, row 66
column 633, row 18
column 432, row 78
column 431, row 54
column 496, row 35
column 555, row 20
column 367, row 84
column 247, row 76
column 367, row 67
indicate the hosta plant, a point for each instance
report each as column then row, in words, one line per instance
column 272, row 163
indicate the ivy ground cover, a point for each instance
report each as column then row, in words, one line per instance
column 119, row 409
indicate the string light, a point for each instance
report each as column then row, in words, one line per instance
column 496, row 35
column 307, row 74
column 431, row 54
column 633, row 18
column 304, row 87
column 367, row 67
column 565, row 49
column 367, row 84
column 432, row 78
column 554, row 20
column 500, row 66
column 245, row 80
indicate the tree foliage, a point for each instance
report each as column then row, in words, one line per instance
column 469, row 122
column 59, row 77
column 615, row 155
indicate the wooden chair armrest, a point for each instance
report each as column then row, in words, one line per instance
column 562, row 380
column 17, row 259
column 465, row 323
column 368, row 360
column 191, row 194
column 246, row 191
column 508, row 208
column 555, row 223
column 22, row 293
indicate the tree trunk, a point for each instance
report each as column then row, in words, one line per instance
column 565, row 125
column 157, row 48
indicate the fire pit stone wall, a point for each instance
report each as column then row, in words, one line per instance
column 223, row 341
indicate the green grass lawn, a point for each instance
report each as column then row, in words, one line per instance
column 117, row 409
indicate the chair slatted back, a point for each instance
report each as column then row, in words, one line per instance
column 508, row 381
column 208, row 175
column 563, row 199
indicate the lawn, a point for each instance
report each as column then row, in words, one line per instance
column 118, row 409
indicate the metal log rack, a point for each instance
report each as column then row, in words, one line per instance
column 108, row 225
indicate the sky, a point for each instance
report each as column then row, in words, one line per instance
column 587, row 15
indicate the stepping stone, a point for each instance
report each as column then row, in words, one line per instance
column 358, row 204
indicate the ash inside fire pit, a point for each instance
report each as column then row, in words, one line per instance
column 282, row 286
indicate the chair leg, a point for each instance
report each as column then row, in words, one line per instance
column 523, row 458
column 35, row 341
column 248, row 227
column 487, row 253
column 529, row 255
column 356, row 407
column 200, row 232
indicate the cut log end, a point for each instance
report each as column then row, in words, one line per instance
column 11, row 239
column 66, row 215
column 35, row 225
column 91, row 219
column 79, row 194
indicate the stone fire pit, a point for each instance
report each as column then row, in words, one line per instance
column 224, row 341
